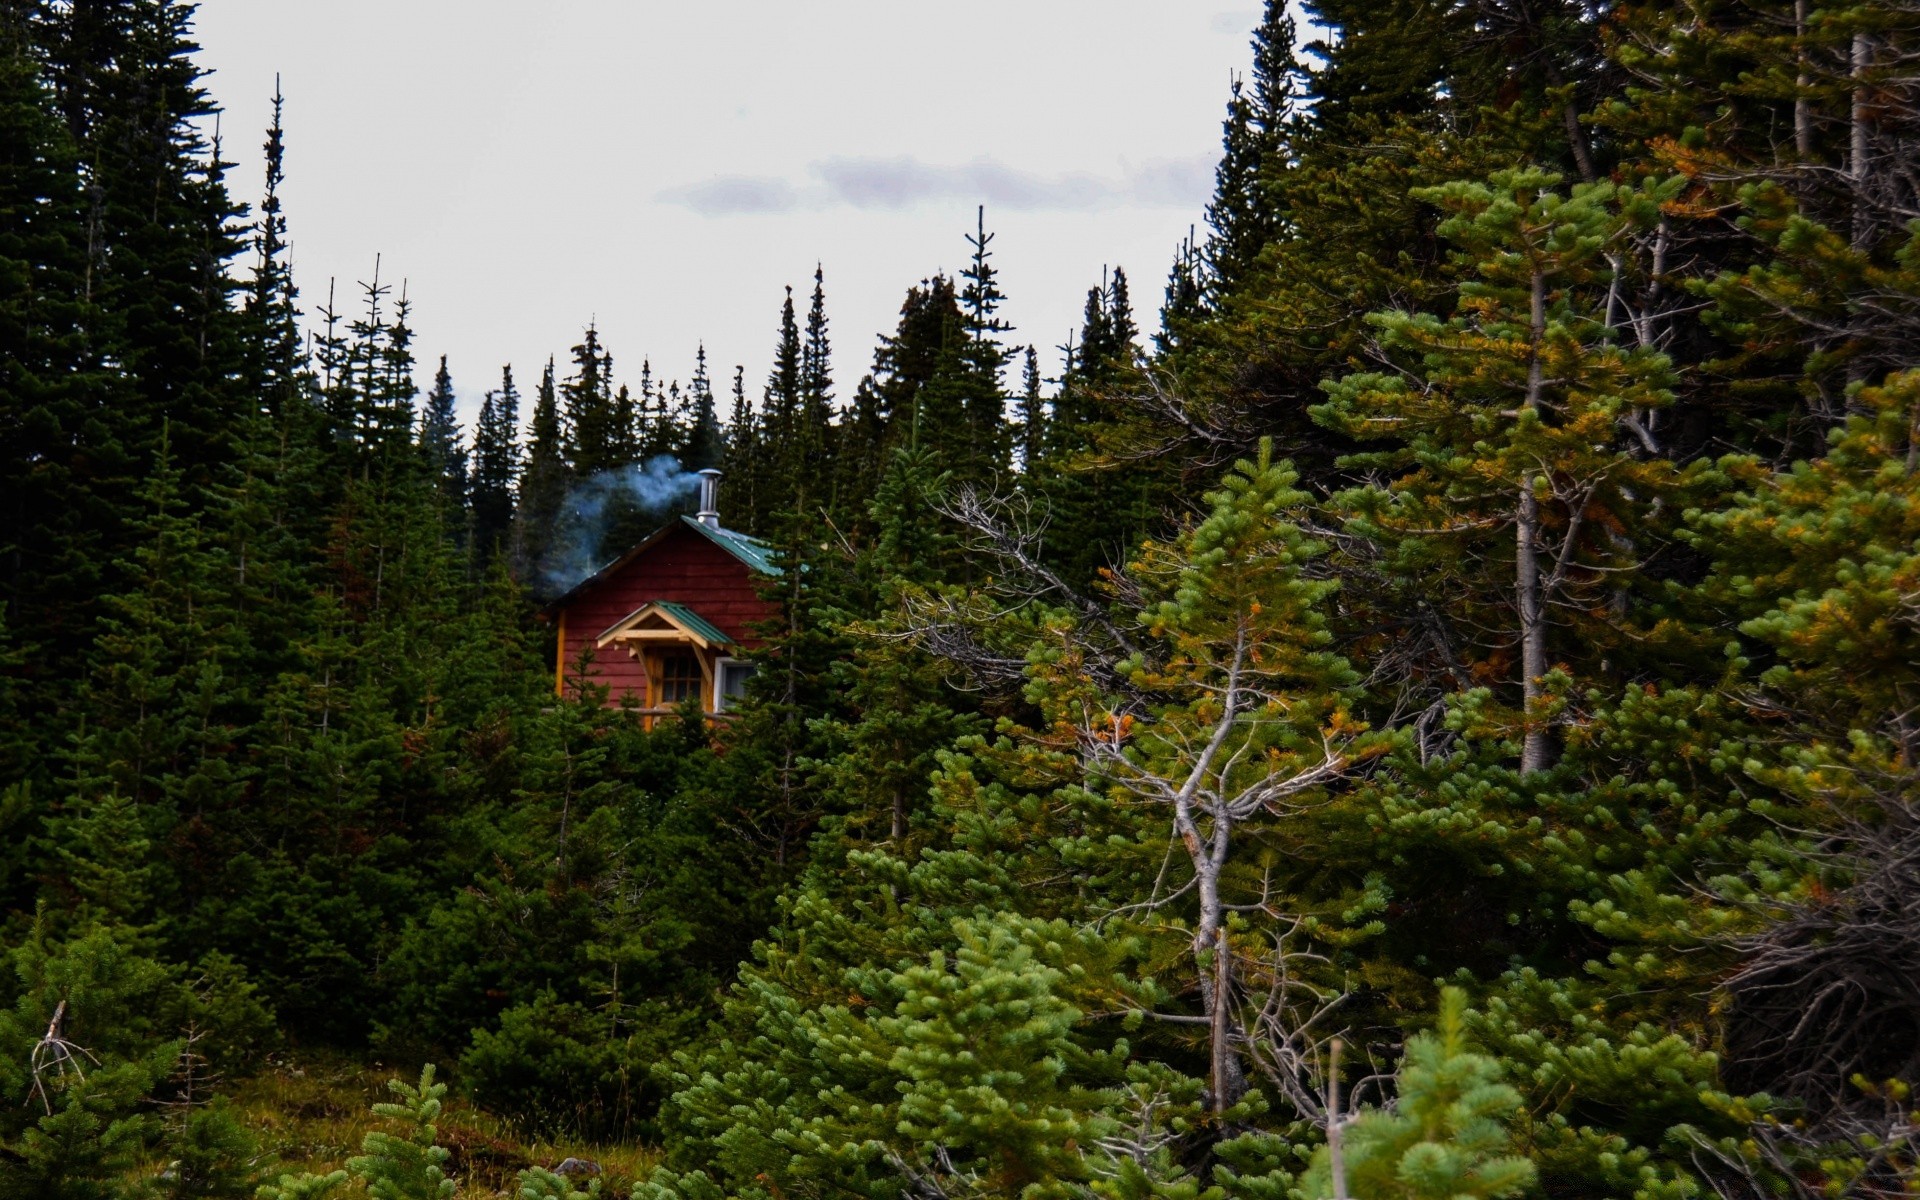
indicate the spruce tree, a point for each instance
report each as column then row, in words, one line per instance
column 496, row 467
column 780, row 412
column 816, row 419
column 705, row 445
column 56, row 444
column 743, row 460
column 542, row 493
column 984, row 358
column 1181, row 308
column 279, row 356
column 441, row 446
column 593, row 438
column 1033, row 414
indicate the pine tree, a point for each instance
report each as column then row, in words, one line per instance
column 162, row 228
column 743, row 460
column 1526, row 389
column 496, row 467
column 542, row 493
column 83, row 1124
column 119, row 323
column 407, row 1165
column 627, row 426
column 55, row 444
column 1033, row 415
column 593, row 438
column 1100, row 508
column 1182, row 307
column 1237, row 215
column 780, row 413
column 984, row 359
column 279, row 366
column 1444, row 1135
column 705, row 445
column 816, row 431
column 441, row 447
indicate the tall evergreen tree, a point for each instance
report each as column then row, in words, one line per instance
column 984, row 357
column 272, row 299
column 542, row 494
column 594, row 439
column 742, row 461
column 780, row 410
column 441, row 445
column 496, row 467
column 1033, row 414
column 706, row 444
column 816, row 419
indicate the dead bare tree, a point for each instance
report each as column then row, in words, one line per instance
column 1830, row 990
column 1206, row 721
column 53, row 1056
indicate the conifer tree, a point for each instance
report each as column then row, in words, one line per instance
column 84, row 1044
column 593, row 438
column 441, row 446
column 780, row 412
column 271, row 300
column 1245, row 213
column 657, row 433
column 543, row 486
column 984, row 357
column 496, row 467
column 704, row 446
column 1238, row 214
column 1525, row 388
column 1099, row 509
column 627, row 423
column 162, row 226
column 816, row 419
column 1033, row 414
column 743, row 460
column 54, row 441
column 1182, row 307
column 121, row 324
column 1442, row 1138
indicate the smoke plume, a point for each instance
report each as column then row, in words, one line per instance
column 612, row 505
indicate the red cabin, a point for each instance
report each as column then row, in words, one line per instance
column 671, row 617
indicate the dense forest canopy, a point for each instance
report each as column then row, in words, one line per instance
column 1436, row 719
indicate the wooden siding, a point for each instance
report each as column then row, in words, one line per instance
column 684, row 567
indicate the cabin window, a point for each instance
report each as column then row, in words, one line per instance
column 731, row 682
column 676, row 678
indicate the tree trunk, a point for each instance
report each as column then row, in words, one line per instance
column 1221, row 1066
column 1802, row 107
column 1533, row 627
column 1532, row 605
column 1857, row 149
column 1225, row 1081
column 1336, row 1126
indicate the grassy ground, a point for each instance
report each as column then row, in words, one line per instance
column 310, row 1113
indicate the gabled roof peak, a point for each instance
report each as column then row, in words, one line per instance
column 755, row 554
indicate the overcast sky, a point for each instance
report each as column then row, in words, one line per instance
column 666, row 168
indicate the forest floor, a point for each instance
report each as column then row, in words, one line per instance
column 311, row 1111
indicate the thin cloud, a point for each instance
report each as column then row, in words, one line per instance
column 1236, row 21
column 901, row 183
column 735, row 195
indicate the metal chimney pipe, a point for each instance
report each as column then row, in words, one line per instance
column 709, row 514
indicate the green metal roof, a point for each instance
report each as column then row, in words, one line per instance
column 694, row 621
column 687, row 618
column 749, row 550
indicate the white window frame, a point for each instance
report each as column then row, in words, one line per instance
column 720, row 666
